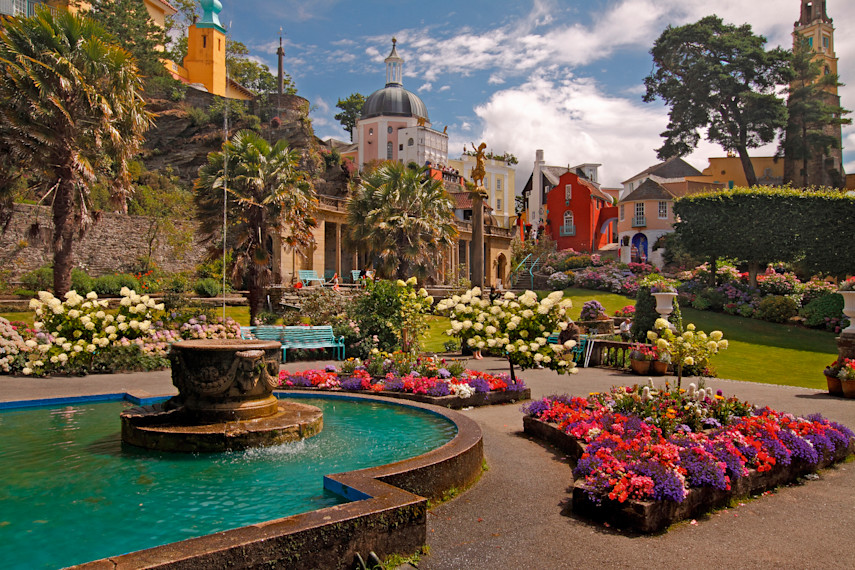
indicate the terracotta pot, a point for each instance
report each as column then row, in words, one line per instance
column 658, row 368
column 639, row 366
column 848, row 388
column 835, row 387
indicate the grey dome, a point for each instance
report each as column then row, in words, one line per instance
column 396, row 101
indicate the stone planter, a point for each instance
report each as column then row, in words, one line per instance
column 665, row 303
column 849, row 311
column 835, row 387
column 658, row 368
column 639, row 367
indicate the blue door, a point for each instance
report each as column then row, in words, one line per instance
column 639, row 248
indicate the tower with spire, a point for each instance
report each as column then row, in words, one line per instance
column 395, row 125
column 826, row 168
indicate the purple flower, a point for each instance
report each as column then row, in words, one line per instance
column 330, row 368
column 481, row 386
column 443, row 373
column 439, row 389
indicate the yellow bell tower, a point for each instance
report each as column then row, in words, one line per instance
column 816, row 27
column 206, row 50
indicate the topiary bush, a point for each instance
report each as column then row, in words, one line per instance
column 80, row 281
column 111, row 285
column 40, row 279
column 777, row 309
column 645, row 314
column 207, row 287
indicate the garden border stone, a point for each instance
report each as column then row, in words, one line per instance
column 654, row 516
column 492, row 398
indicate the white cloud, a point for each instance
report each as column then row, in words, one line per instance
column 321, row 105
column 444, row 88
column 495, row 79
column 428, row 86
column 573, row 121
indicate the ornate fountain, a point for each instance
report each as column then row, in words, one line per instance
column 225, row 401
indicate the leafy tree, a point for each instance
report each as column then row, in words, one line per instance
column 128, row 22
column 810, row 112
column 268, row 197
column 401, row 218
column 351, row 110
column 718, row 77
column 254, row 76
column 70, row 108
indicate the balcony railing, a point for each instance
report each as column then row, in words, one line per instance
column 23, row 8
column 565, row 231
column 639, row 221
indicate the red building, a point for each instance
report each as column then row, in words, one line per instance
column 579, row 215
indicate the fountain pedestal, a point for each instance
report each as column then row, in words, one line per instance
column 225, row 401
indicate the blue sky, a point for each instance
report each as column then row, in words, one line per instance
column 563, row 76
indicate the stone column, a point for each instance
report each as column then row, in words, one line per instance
column 468, row 248
column 846, row 346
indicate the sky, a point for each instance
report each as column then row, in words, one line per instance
column 565, row 76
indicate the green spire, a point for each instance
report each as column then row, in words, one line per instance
column 210, row 15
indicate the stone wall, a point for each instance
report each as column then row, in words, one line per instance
column 114, row 242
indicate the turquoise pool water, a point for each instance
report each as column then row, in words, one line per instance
column 70, row 492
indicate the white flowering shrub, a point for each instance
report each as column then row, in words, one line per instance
column 515, row 327
column 558, row 281
column 70, row 332
column 685, row 348
column 12, row 346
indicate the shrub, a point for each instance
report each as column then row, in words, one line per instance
column 80, row 281
column 207, row 287
column 324, row 306
column 40, row 279
column 591, row 310
column 377, row 311
column 715, row 299
column 645, row 314
column 111, row 285
column 777, row 309
column 177, row 283
column 558, row 281
column 823, row 310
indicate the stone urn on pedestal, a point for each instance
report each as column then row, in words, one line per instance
column 665, row 303
column 845, row 345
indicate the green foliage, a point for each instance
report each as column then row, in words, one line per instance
column 822, row 310
column 324, row 306
column 40, row 279
column 645, row 314
column 719, row 80
column 757, row 226
column 351, row 110
column 72, row 110
column 129, row 25
column 81, row 282
column 271, row 201
column 777, row 309
column 208, row 287
column 402, row 219
column 377, row 311
column 111, row 285
column 810, row 113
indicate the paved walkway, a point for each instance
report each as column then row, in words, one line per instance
column 518, row 515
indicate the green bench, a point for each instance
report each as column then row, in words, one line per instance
column 309, row 276
column 298, row 338
column 577, row 351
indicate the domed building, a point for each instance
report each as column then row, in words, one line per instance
column 395, row 124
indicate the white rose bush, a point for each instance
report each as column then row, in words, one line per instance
column 516, row 327
column 688, row 347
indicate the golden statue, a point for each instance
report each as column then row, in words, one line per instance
column 421, row 121
column 445, row 130
column 478, row 171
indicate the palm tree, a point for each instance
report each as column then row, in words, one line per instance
column 70, row 110
column 401, row 218
column 268, row 196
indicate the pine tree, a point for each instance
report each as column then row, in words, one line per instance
column 128, row 22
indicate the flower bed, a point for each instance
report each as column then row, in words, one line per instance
column 648, row 458
column 470, row 388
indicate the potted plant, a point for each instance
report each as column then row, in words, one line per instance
column 847, row 377
column 832, row 371
column 640, row 358
column 847, row 289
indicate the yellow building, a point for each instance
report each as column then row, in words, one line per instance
column 728, row 171
column 205, row 62
column 499, row 181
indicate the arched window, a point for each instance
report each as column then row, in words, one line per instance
column 389, row 150
column 370, row 132
column 410, row 142
column 568, row 218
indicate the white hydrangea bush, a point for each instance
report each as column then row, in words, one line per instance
column 517, row 327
